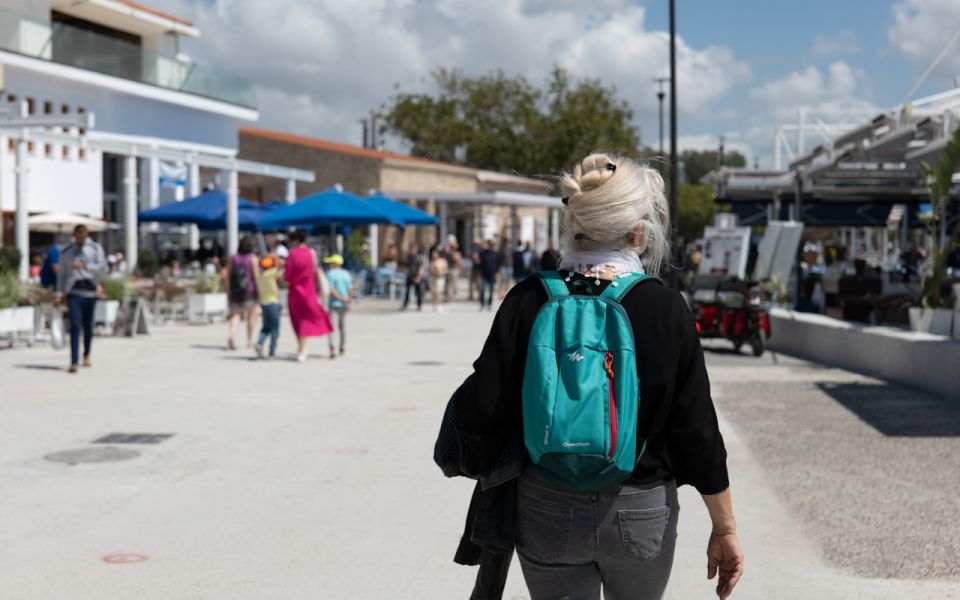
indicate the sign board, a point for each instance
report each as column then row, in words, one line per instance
column 131, row 318
column 725, row 251
column 778, row 250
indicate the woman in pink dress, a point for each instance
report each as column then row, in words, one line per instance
column 308, row 317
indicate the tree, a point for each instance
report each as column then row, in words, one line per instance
column 507, row 124
column 940, row 181
column 697, row 163
column 696, row 210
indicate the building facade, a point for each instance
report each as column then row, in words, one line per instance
column 160, row 118
column 472, row 205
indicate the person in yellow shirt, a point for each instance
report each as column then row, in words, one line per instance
column 269, row 303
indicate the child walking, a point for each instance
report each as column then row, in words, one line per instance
column 269, row 304
column 341, row 285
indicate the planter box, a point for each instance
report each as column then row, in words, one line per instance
column 206, row 307
column 17, row 322
column 931, row 320
column 105, row 313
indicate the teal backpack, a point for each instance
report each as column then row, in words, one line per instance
column 581, row 393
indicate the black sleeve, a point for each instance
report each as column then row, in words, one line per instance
column 489, row 409
column 693, row 437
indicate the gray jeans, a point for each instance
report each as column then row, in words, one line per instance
column 570, row 543
column 340, row 315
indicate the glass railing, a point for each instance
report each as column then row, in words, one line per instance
column 93, row 51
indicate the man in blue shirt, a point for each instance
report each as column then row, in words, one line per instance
column 341, row 284
column 50, row 268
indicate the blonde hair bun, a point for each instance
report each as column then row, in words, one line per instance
column 606, row 198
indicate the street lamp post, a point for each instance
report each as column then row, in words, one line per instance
column 660, row 95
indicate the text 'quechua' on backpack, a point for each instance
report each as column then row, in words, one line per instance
column 581, row 393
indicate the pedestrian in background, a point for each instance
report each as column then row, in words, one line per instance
column 439, row 268
column 451, row 252
column 489, row 261
column 50, row 267
column 506, row 269
column 269, row 304
column 475, row 273
column 341, row 287
column 550, row 259
column 82, row 266
column 308, row 317
column 242, row 275
column 414, row 267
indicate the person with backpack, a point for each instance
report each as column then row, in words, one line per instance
column 589, row 404
column 242, row 275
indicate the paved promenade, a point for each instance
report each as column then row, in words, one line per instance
column 315, row 481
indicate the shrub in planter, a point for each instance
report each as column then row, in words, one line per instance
column 116, row 288
column 9, row 260
column 148, row 264
column 208, row 284
column 11, row 290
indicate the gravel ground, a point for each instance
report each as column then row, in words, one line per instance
column 871, row 470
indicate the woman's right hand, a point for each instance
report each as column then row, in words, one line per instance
column 724, row 557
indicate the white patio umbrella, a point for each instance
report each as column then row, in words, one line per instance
column 60, row 221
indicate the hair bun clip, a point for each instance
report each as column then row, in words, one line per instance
column 611, row 167
column 580, row 236
column 565, row 200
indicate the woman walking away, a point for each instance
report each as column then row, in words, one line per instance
column 307, row 316
column 269, row 304
column 242, row 274
column 598, row 372
column 438, row 278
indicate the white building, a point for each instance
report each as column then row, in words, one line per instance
column 120, row 61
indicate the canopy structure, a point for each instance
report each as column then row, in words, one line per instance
column 59, row 222
column 202, row 210
column 328, row 208
column 248, row 217
column 400, row 213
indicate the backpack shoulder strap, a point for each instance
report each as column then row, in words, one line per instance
column 624, row 284
column 554, row 284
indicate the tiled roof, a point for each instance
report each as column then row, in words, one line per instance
column 309, row 142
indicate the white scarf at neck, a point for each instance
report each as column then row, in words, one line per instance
column 624, row 262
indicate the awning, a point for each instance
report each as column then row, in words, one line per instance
column 328, row 208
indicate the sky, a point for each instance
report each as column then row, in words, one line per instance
column 743, row 66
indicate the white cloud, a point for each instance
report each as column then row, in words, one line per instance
column 921, row 28
column 322, row 64
column 843, row 41
column 831, row 96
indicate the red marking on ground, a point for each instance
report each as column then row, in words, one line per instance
column 353, row 451
column 119, row 559
column 404, row 409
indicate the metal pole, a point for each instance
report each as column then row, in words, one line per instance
column 233, row 232
column 22, row 233
column 673, row 112
column 130, row 210
column 660, row 96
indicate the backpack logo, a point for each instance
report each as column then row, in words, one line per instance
column 576, row 356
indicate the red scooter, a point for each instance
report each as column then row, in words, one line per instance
column 733, row 311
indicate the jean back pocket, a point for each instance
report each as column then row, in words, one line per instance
column 544, row 528
column 643, row 531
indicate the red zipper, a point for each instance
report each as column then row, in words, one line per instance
column 608, row 365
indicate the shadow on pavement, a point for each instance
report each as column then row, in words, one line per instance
column 208, row 347
column 897, row 411
column 37, row 367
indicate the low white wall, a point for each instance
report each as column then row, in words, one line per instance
column 920, row 360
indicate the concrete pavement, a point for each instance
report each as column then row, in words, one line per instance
column 286, row 480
